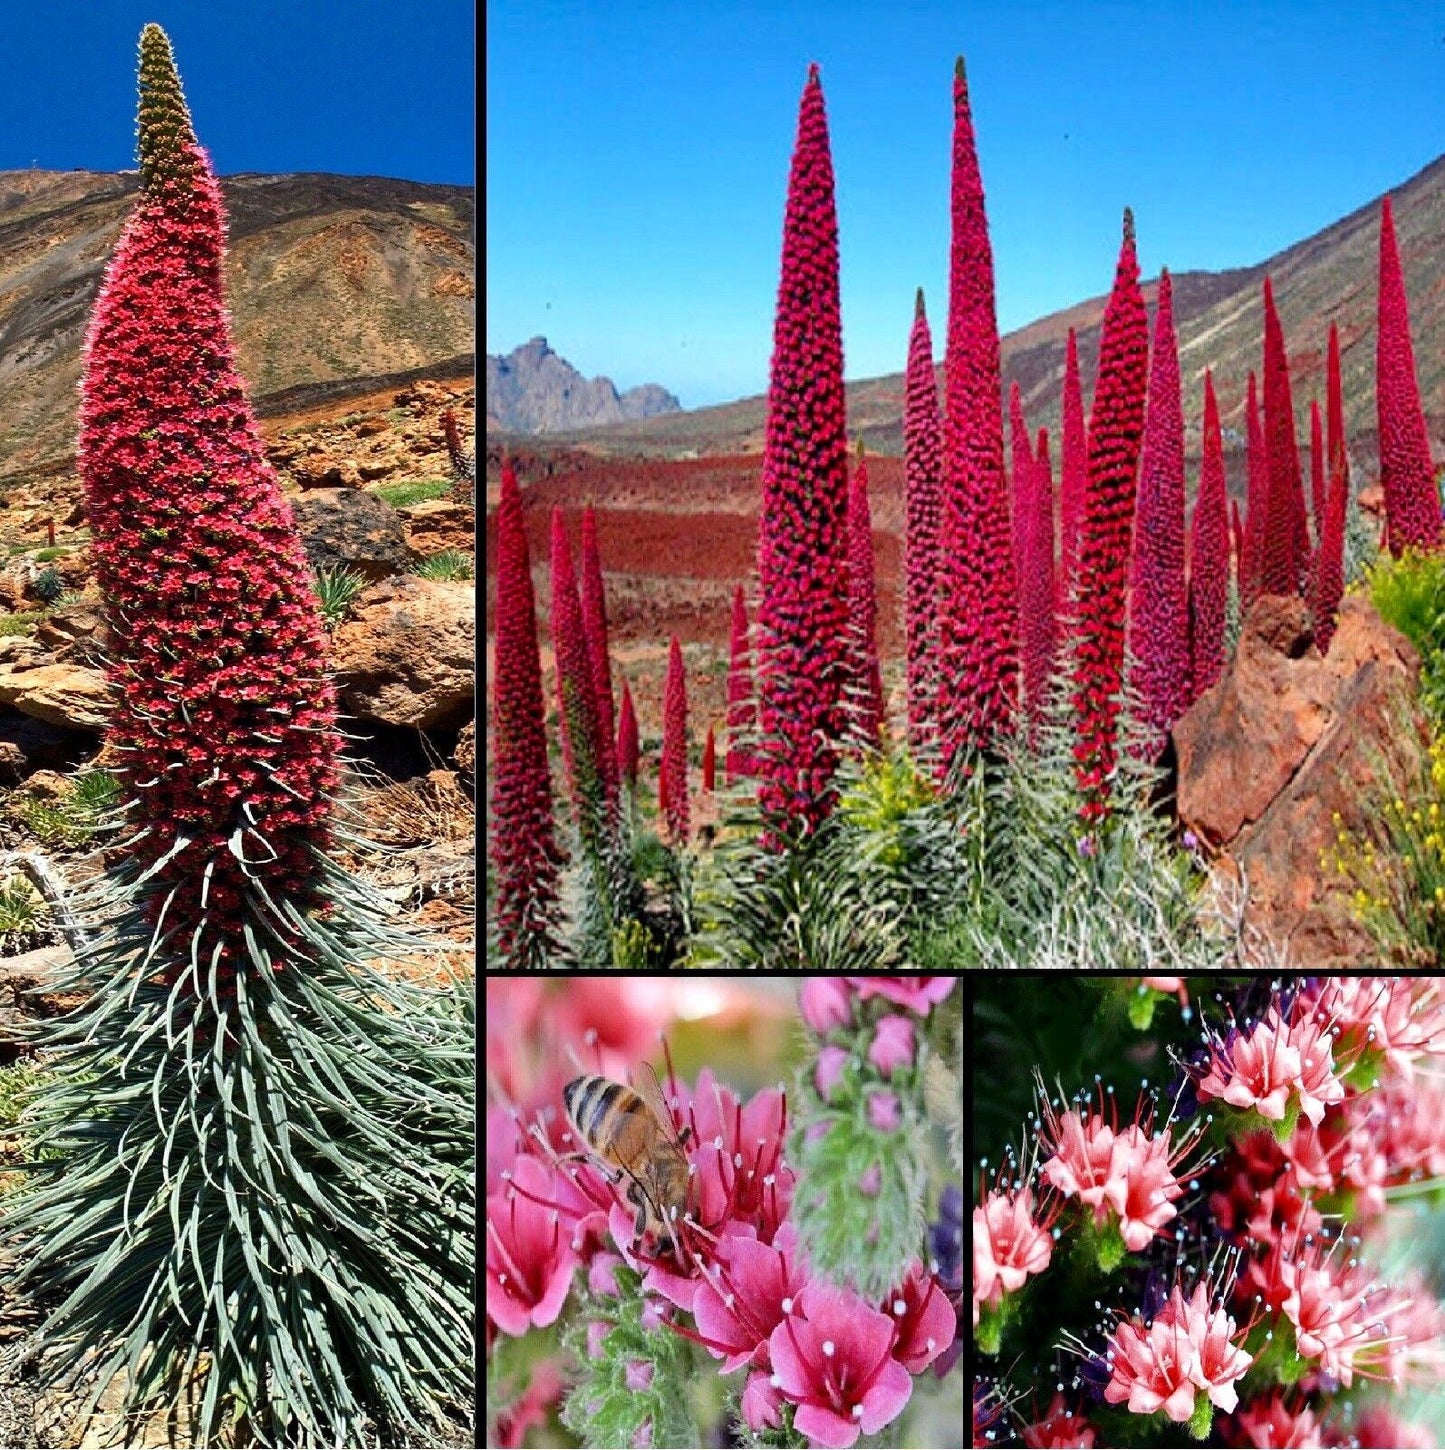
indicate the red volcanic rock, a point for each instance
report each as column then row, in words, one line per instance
column 1283, row 744
column 1412, row 501
column 978, row 596
column 1114, row 435
column 923, row 461
column 1208, row 556
column 1158, row 603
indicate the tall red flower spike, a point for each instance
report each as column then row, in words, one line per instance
column 1037, row 593
column 741, row 709
column 1285, row 544
column 576, row 694
column 1021, row 464
column 223, row 713
column 1158, row 601
column 978, row 594
column 594, row 621
column 1256, row 497
column 673, row 774
column 1327, row 581
column 709, row 761
column 1335, row 449
column 922, row 467
column 1209, row 555
column 1115, row 429
column 1236, row 529
column 803, row 655
column 524, row 848
column 863, row 604
column 1412, row 501
column 628, row 744
column 1317, row 467
column 1075, row 469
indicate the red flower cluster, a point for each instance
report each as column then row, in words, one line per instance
column 594, row 624
column 977, row 600
column 673, row 775
column 1285, row 537
column 803, row 658
column 863, row 605
column 576, row 692
column 922, row 466
column 628, row 746
column 1075, row 470
column 1038, row 592
column 224, row 712
column 524, row 850
column 1209, row 556
column 1101, row 606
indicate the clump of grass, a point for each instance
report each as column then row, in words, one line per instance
column 335, row 589
column 420, row 490
column 53, row 552
column 24, row 925
column 72, row 819
column 450, row 564
column 22, row 623
column 1409, row 592
column 48, row 586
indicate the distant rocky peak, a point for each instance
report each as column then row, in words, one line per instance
column 534, row 390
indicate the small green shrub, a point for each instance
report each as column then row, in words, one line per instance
column 24, row 919
column 449, row 564
column 419, row 490
column 48, row 586
column 46, row 556
column 21, row 623
column 75, row 817
column 335, row 589
column 1409, row 593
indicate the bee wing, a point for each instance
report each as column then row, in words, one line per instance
column 649, row 1089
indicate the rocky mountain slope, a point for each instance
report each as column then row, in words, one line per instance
column 533, row 390
column 336, row 283
column 1328, row 277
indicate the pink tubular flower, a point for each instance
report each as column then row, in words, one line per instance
column 745, row 1295
column 761, row 1403
column 1158, row 603
column 1008, row 1246
column 828, row 1071
column 919, row 994
column 1145, row 1201
column 544, row 1389
column 1412, row 501
column 1273, row 1063
column 530, row 1259
column 1378, row 1427
column 978, row 596
column 1081, row 1161
column 826, row 1003
column 924, row 1318
column 832, row 1358
column 1339, row 1314
column 1260, row 1197
column 883, row 1113
column 1061, row 1427
column 1271, row 1424
column 893, row 1046
column 803, row 653
column 922, row 466
column 1400, row 1018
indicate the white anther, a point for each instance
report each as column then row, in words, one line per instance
column 828, row 1348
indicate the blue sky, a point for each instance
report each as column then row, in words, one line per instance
column 637, row 158
column 363, row 87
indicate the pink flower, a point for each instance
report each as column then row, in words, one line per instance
column 883, row 1112
column 832, row 1358
column 1275, row 1060
column 1008, row 1245
column 1270, row 1424
column 530, row 1259
column 1059, row 1429
column 1339, row 1314
column 762, row 1404
column 918, row 994
column 747, row 1294
column 924, row 1317
column 1377, row 1427
column 544, row 1389
column 1143, row 1187
column 893, row 1045
column 1082, row 1161
column 828, row 1071
column 1401, row 1017
column 826, row 1003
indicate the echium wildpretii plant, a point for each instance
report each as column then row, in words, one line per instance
column 253, row 1194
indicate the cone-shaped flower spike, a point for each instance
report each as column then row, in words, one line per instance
column 524, row 849
column 1335, row 448
column 1115, row 429
column 1327, row 579
column 1317, row 467
column 576, row 695
column 1412, row 502
column 1209, row 556
column 1158, row 601
column 594, row 622
column 1075, row 470
column 803, row 654
column 709, row 761
column 628, row 744
column 1256, row 496
column 1021, row 466
column 673, row 774
column 1236, row 530
column 922, row 465
column 1285, row 545
column 863, row 604
column 978, row 594
column 742, row 711
column 1037, row 594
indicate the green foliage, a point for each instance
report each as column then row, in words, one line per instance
column 24, row 916
column 335, row 589
column 601, row 1407
column 87, row 808
column 22, row 623
column 1409, row 592
column 420, row 490
column 50, row 554
column 450, row 565
column 48, row 586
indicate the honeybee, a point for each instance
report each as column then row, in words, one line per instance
column 631, row 1137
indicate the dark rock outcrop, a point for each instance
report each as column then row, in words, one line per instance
column 533, row 390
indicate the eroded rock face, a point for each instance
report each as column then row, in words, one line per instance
column 349, row 528
column 440, row 524
column 408, row 655
column 68, row 695
column 1285, row 741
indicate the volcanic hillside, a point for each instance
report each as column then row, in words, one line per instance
column 1329, row 277
column 340, row 286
